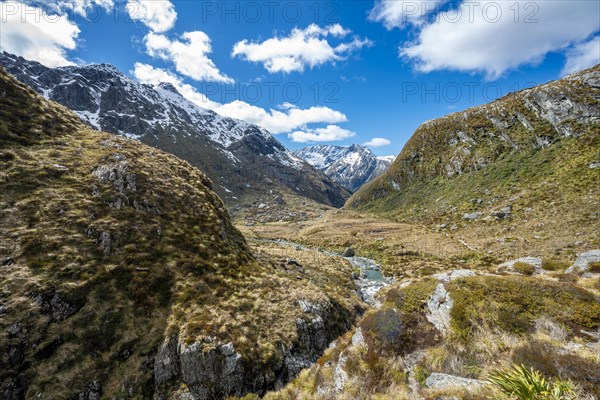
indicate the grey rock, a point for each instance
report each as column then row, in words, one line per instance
column 349, row 252
column 472, row 216
column 438, row 308
column 358, row 339
column 166, row 363
column 452, row 275
column 444, row 381
column 207, row 373
column 533, row 261
column 340, row 376
column 582, row 264
column 52, row 303
column 118, row 174
column 594, row 165
column 92, row 391
column 499, row 215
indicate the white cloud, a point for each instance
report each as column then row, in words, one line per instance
column 276, row 121
column 582, row 56
column 302, row 48
column 487, row 36
column 398, row 13
column 68, row 7
column 273, row 120
column 83, row 7
column 32, row 33
column 330, row 133
column 377, row 142
column 158, row 15
column 190, row 56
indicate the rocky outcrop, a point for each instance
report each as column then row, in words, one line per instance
column 583, row 262
column 534, row 262
column 217, row 370
column 438, row 308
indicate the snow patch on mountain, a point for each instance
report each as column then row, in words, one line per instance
column 350, row 166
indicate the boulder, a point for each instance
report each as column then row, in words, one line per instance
column 452, row 275
column 582, row 264
column 535, row 262
column 349, row 252
column 472, row 216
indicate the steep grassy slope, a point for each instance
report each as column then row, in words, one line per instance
column 526, row 162
column 121, row 275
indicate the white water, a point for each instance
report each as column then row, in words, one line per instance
column 370, row 281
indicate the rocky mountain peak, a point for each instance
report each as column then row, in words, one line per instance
column 350, row 166
column 168, row 87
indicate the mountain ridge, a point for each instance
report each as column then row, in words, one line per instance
column 350, row 166
column 517, row 163
column 240, row 158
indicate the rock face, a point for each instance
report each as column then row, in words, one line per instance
column 212, row 370
column 241, row 159
column 582, row 264
column 350, row 166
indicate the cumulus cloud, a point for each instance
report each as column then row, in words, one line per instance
column 377, row 142
column 330, row 133
column 81, row 7
column 32, row 33
column 190, row 56
column 398, row 13
column 303, row 47
column 158, row 15
column 582, row 56
column 490, row 37
column 275, row 121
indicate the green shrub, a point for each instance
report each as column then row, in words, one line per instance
column 420, row 375
column 529, row 384
column 514, row 303
column 595, row 267
column 524, row 268
column 555, row 265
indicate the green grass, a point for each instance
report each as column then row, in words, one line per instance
column 513, row 303
column 528, row 384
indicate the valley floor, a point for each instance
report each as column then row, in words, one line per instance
column 452, row 316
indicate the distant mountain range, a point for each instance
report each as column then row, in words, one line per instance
column 350, row 166
column 240, row 158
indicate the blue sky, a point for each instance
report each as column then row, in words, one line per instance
column 333, row 72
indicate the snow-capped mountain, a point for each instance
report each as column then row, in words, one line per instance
column 240, row 158
column 350, row 166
